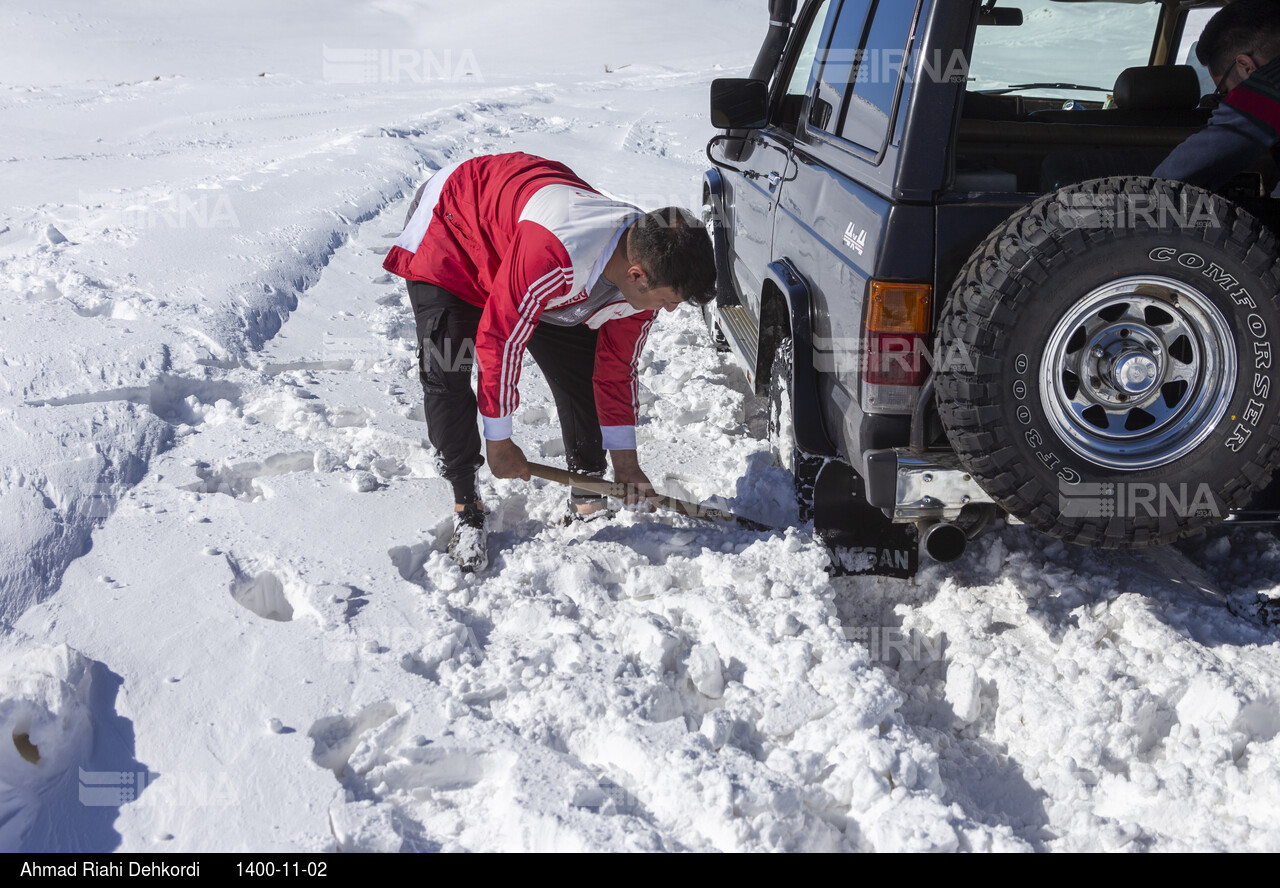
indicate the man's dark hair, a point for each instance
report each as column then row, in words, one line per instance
column 675, row 249
column 1248, row 26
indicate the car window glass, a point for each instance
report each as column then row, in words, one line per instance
column 790, row 105
column 880, row 62
column 838, row 64
column 1065, row 51
column 1186, row 54
column 803, row 70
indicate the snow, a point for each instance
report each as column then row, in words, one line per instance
column 228, row 622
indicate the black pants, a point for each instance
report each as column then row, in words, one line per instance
column 446, row 352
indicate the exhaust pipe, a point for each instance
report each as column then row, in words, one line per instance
column 943, row 541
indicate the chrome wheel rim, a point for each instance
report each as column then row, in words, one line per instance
column 1138, row 373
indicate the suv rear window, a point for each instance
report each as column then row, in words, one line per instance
column 1085, row 44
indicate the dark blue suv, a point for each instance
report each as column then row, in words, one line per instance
column 944, row 260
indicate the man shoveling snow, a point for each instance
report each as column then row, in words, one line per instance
column 510, row 252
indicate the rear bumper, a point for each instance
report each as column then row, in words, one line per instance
column 909, row 487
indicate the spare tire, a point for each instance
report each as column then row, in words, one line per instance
column 1104, row 362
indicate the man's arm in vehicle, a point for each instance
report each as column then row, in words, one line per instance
column 1228, row 145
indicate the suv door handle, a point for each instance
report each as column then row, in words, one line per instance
column 775, row 179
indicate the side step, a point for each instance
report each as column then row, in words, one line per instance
column 743, row 335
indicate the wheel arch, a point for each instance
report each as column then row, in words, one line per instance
column 786, row 310
column 712, row 185
column 713, row 193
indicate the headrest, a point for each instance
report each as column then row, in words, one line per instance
column 1159, row 88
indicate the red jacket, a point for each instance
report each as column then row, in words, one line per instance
column 521, row 237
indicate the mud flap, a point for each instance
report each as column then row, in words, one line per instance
column 862, row 539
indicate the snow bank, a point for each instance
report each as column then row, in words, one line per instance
column 46, row 731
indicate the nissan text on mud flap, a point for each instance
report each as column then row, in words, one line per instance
column 950, row 270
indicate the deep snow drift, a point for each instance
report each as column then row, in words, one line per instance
column 228, row 623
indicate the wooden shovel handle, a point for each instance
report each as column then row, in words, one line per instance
column 579, row 480
column 620, row 491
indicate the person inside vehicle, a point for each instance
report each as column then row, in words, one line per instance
column 1241, row 48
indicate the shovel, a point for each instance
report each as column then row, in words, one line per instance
column 620, row 491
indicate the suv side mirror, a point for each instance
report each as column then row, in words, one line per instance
column 738, row 103
column 1003, row 16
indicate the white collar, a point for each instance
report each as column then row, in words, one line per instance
column 598, row 269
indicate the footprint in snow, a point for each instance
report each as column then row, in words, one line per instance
column 263, row 593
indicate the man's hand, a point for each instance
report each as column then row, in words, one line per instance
column 506, row 460
column 626, row 470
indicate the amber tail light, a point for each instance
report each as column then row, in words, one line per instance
column 899, row 319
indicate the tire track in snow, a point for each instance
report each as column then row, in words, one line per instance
column 51, row 271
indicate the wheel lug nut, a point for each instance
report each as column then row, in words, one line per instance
column 1098, row 352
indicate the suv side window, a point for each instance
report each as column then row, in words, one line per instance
column 802, row 71
column 838, row 64
column 881, row 57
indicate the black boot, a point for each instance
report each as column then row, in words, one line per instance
column 469, row 546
